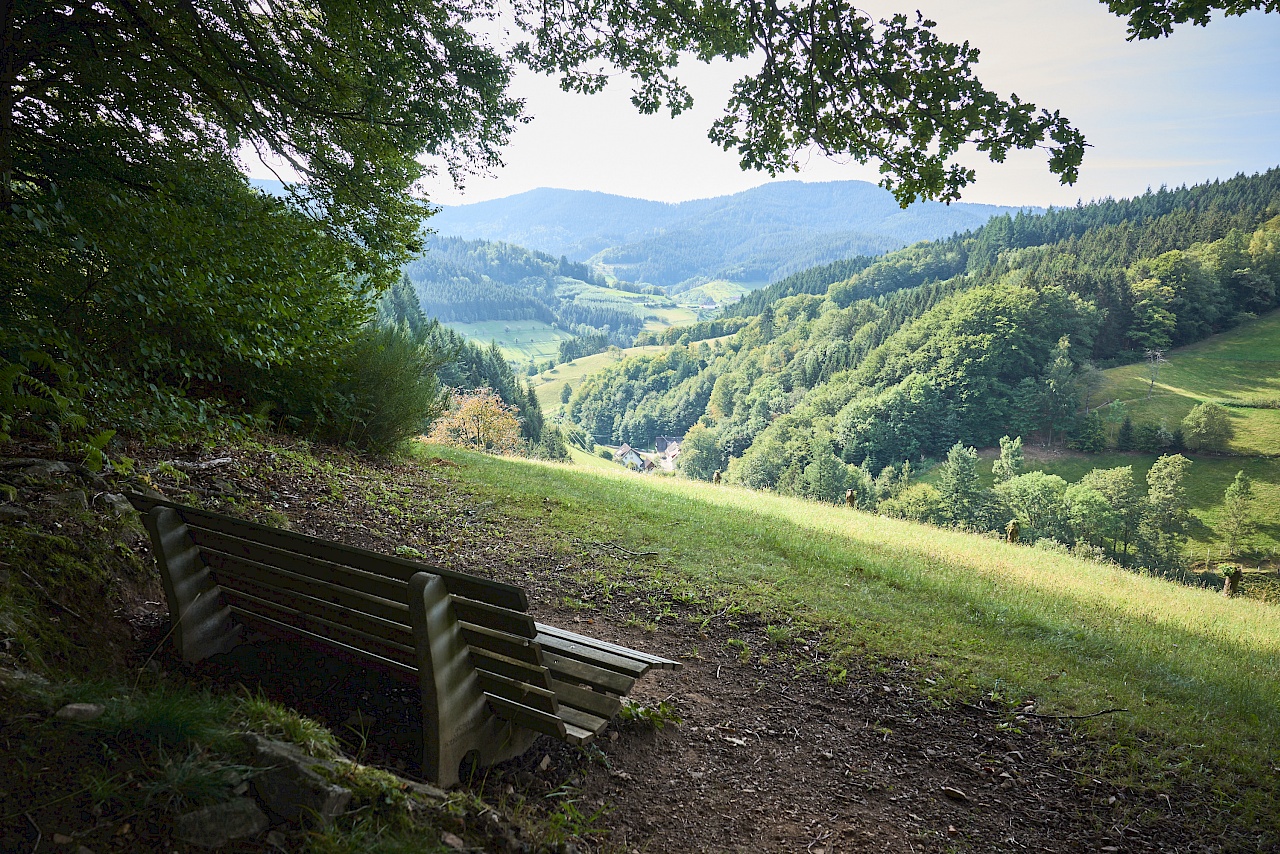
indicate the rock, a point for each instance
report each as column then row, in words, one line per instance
column 45, row 469
column 118, row 504
column 10, row 513
column 80, row 712
column 215, row 826
column 453, row 841
column 289, row 785
column 72, row 498
column 62, row 839
column 954, row 794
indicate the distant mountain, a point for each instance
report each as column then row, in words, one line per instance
column 758, row 235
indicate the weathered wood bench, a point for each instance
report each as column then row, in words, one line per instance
column 491, row 678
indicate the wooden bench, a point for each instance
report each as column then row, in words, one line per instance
column 491, row 678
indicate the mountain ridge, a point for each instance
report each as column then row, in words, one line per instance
column 747, row 236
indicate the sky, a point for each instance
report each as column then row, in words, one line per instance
column 1201, row 104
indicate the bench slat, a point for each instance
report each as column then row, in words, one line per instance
column 585, row 699
column 323, row 571
column 236, row 567
column 499, row 619
column 626, row 652
column 519, row 692
column 521, row 671
column 493, row 592
column 598, row 657
column 578, row 736
column 527, row 717
column 572, row 670
column 397, row 668
column 521, row 649
column 592, row 723
column 366, row 625
column 320, row 626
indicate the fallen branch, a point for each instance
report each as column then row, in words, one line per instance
column 49, row 597
column 620, row 548
column 1071, row 717
column 183, row 465
column 1034, row 715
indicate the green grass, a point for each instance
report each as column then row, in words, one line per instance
column 547, row 385
column 670, row 316
column 1240, row 365
column 720, row 291
column 520, row 340
column 1198, row 674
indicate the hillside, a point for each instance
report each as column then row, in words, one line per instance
column 965, row 339
column 548, row 384
column 529, row 302
column 756, row 236
column 1035, row 687
column 1239, row 368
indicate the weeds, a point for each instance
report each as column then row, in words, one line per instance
column 656, row 717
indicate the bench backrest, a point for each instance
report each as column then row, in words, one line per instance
column 357, row 601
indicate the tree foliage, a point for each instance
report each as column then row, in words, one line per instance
column 480, row 421
column 1207, row 427
column 1238, row 520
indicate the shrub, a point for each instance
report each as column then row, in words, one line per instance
column 1207, row 427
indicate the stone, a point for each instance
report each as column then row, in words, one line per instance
column 118, row 504
column 80, row 712
column 72, row 498
column 10, row 513
column 46, row 469
column 453, row 841
column 215, row 826
column 290, row 787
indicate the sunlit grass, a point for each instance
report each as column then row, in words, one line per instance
column 1198, row 674
column 519, row 340
column 1242, row 364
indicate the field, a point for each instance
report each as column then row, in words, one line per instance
column 1241, row 366
column 520, row 340
column 672, row 315
column 1196, row 675
column 719, row 291
column 547, row 385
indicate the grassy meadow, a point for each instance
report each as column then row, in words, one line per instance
column 719, row 291
column 1242, row 366
column 547, row 385
column 520, row 340
column 1196, row 675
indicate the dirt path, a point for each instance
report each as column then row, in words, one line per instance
column 761, row 761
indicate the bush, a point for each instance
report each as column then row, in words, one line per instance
column 1207, row 427
column 384, row 390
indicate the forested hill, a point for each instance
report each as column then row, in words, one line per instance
column 479, row 280
column 965, row 339
column 759, row 235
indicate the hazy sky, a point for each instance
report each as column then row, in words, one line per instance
column 1202, row 104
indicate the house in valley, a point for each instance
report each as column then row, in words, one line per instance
column 629, row 457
